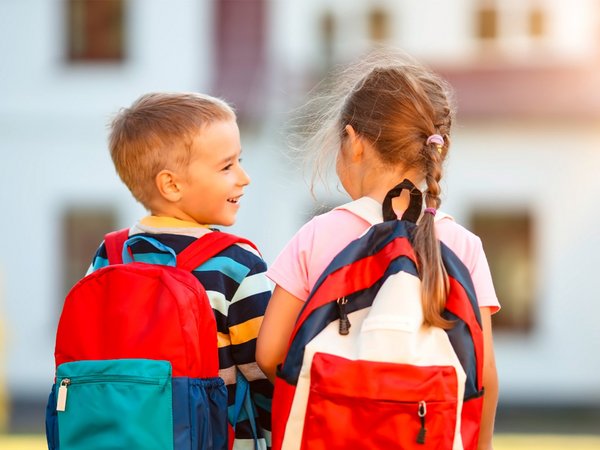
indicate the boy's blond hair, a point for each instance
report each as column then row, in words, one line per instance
column 156, row 133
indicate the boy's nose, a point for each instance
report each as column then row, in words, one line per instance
column 244, row 178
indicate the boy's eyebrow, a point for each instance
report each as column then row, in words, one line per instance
column 231, row 157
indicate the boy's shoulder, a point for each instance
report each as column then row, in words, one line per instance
column 179, row 234
column 243, row 253
column 240, row 252
column 154, row 241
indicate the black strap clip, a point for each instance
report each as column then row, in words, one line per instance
column 415, row 204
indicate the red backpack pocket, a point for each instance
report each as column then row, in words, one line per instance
column 380, row 404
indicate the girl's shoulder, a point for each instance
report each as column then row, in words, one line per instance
column 461, row 241
column 343, row 218
column 349, row 221
column 365, row 210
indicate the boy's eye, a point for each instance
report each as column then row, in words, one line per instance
column 230, row 165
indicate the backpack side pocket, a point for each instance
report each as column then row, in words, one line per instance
column 120, row 404
column 52, row 421
column 200, row 413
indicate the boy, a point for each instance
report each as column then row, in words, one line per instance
column 179, row 155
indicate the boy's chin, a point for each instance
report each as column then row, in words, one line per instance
column 224, row 223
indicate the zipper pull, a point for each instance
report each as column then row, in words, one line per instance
column 61, row 402
column 422, row 412
column 344, row 322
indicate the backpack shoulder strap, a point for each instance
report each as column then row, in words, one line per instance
column 207, row 246
column 114, row 242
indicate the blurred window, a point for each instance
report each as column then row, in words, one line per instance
column 495, row 20
column 379, row 25
column 537, row 23
column 508, row 243
column 240, row 35
column 487, row 23
column 83, row 230
column 95, row 30
column 327, row 38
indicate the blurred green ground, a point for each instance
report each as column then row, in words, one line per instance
column 517, row 427
column 501, row 442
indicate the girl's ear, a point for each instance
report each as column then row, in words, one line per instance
column 355, row 144
column 168, row 186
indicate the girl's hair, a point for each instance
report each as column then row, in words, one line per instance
column 396, row 104
column 156, row 133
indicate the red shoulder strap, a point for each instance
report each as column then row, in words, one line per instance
column 114, row 242
column 207, row 246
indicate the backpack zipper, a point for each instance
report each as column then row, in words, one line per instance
column 344, row 321
column 61, row 401
column 422, row 412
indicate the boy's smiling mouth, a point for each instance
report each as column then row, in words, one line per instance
column 234, row 199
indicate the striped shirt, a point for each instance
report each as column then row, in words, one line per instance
column 238, row 291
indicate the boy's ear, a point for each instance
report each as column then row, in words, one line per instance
column 168, row 186
column 355, row 144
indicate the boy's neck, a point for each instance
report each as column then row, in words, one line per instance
column 164, row 220
column 168, row 210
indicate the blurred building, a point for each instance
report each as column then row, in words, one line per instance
column 522, row 173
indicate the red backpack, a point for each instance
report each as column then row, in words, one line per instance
column 362, row 370
column 136, row 356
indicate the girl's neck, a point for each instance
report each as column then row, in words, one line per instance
column 380, row 183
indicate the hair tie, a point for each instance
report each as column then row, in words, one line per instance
column 436, row 139
column 431, row 211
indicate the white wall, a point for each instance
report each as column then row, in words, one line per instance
column 52, row 144
column 53, row 119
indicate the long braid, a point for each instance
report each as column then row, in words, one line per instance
column 433, row 274
column 437, row 120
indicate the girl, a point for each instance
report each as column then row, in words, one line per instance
column 391, row 123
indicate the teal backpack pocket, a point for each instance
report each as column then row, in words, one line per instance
column 114, row 404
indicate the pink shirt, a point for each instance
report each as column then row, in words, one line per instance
column 306, row 256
